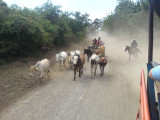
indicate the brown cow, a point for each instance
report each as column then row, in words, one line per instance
column 100, row 51
column 44, row 48
column 102, row 64
column 78, row 62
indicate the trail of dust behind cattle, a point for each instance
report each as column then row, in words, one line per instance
column 129, row 72
column 126, row 75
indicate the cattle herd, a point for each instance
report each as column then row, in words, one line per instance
column 76, row 60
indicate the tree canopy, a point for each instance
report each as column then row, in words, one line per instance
column 24, row 31
column 127, row 17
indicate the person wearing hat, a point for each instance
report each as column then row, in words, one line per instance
column 134, row 44
column 98, row 41
column 94, row 41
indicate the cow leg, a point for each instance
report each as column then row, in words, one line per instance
column 48, row 74
column 95, row 70
column 45, row 73
column 91, row 72
column 60, row 64
column 39, row 80
column 87, row 57
column 80, row 72
column 64, row 64
column 40, row 77
column 74, row 75
column 102, row 71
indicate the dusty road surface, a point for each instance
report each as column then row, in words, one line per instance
column 114, row 96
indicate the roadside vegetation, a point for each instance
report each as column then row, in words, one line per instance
column 129, row 17
column 23, row 31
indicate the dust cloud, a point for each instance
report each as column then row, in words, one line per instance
column 115, row 52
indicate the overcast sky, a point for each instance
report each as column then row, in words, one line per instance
column 95, row 8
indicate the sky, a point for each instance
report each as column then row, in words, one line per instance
column 95, row 8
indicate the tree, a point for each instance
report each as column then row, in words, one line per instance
column 23, row 31
column 126, row 16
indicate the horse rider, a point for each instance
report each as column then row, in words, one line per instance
column 98, row 41
column 94, row 41
column 134, row 44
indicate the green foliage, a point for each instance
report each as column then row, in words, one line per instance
column 144, row 4
column 127, row 16
column 23, row 31
column 19, row 35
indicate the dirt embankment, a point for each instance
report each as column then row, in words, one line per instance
column 14, row 79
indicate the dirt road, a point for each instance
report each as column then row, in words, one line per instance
column 115, row 96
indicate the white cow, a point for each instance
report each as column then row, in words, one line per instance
column 94, row 60
column 71, row 56
column 61, row 58
column 77, row 52
column 42, row 67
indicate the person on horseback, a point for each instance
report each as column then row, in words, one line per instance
column 134, row 44
column 94, row 41
column 98, row 42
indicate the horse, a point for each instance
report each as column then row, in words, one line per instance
column 132, row 51
column 78, row 62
